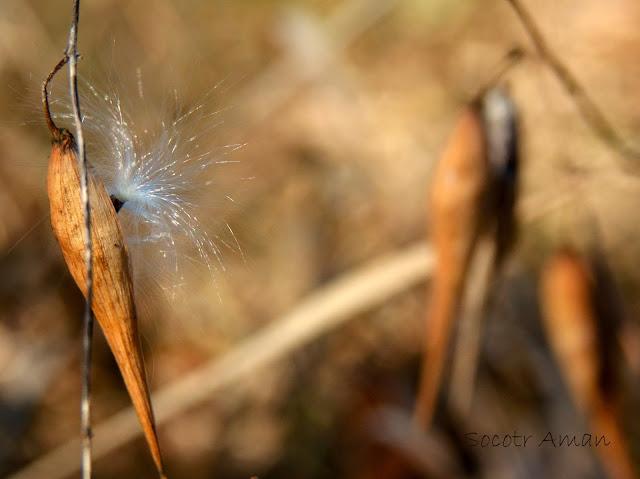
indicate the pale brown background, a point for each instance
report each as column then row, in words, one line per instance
column 344, row 106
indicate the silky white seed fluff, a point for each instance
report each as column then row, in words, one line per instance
column 173, row 183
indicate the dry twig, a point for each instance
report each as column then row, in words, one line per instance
column 71, row 57
column 586, row 106
column 475, row 305
column 85, row 408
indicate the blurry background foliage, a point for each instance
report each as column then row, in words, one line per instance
column 344, row 105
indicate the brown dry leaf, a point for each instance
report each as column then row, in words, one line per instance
column 572, row 326
column 113, row 302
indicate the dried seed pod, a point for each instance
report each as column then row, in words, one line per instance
column 500, row 126
column 457, row 204
column 112, row 302
column 570, row 324
column 573, row 324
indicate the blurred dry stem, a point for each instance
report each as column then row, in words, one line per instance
column 590, row 112
column 326, row 309
column 511, row 59
column 473, row 316
column 312, row 47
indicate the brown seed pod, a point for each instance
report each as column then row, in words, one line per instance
column 570, row 323
column 573, row 324
column 113, row 301
column 457, row 204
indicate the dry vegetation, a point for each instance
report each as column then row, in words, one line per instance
column 344, row 107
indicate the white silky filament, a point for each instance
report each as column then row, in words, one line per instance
column 163, row 172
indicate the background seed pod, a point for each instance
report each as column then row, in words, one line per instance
column 575, row 332
column 457, row 206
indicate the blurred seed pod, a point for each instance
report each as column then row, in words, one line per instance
column 113, row 301
column 472, row 197
column 500, row 127
column 456, row 206
column 570, row 324
column 580, row 337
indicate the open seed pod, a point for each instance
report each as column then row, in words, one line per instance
column 113, row 301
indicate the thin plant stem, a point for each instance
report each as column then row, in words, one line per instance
column 85, row 404
column 586, row 106
column 475, row 308
column 511, row 59
column 55, row 131
column 71, row 56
